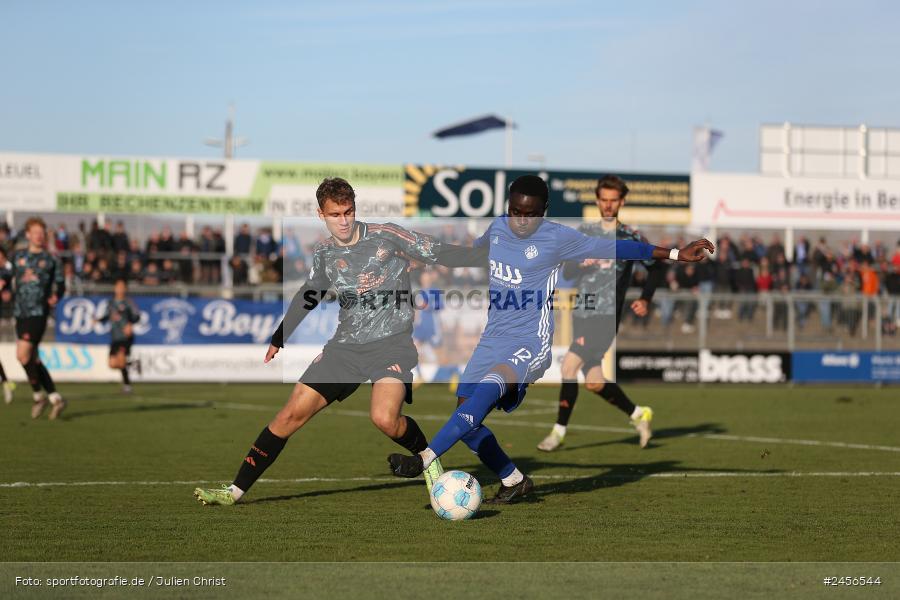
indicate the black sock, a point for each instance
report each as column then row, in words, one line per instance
column 2, row 374
column 613, row 394
column 45, row 379
column 568, row 394
column 34, row 375
column 413, row 439
column 126, row 379
column 262, row 453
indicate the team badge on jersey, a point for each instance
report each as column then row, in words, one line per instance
column 531, row 251
column 495, row 239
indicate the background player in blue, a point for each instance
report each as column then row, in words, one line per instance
column 525, row 252
column 122, row 315
column 594, row 324
column 5, row 296
column 39, row 283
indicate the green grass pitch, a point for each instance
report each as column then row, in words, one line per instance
column 749, row 473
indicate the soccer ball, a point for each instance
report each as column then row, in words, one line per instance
column 455, row 496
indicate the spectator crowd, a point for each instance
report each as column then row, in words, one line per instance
column 748, row 266
column 101, row 255
column 745, row 265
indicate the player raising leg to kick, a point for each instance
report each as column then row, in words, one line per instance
column 525, row 253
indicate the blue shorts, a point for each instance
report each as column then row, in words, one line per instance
column 529, row 359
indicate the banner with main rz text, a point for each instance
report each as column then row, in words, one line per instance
column 178, row 321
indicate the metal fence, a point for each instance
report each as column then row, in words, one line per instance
column 771, row 321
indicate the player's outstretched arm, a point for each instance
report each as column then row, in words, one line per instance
column 693, row 252
column 574, row 245
column 427, row 249
column 452, row 255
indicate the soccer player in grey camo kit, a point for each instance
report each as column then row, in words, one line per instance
column 367, row 265
column 122, row 315
column 39, row 284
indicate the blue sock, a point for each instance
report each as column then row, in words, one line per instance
column 484, row 444
column 469, row 414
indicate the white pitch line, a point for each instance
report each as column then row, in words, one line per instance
column 575, row 427
column 574, row 476
column 766, row 440
column 713, row 436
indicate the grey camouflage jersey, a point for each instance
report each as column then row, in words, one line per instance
column 605, row 285
column 120, row 313
column 36, row 275
column 371, row 280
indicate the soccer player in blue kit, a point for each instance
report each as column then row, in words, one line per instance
column 525, row 253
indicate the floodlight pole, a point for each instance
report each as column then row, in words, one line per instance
column 229, row 142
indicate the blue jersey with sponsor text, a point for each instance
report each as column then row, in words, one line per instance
column 524, row 272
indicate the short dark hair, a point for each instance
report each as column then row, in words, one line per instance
column 335, row 189
column 530, row 185
column 122, row 279
column 612, row 182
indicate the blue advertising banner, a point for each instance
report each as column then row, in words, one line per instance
column 851, row 367
column 178, row 321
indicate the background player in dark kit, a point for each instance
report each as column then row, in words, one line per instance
column 605, row 283
column 122, row 315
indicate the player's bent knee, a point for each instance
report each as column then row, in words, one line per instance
column 288, row 420
column 23, row 356
column 569, row 373
column 595, row 386
column 300, row 408
column 387, row 423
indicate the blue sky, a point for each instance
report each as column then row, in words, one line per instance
column 592, row 85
